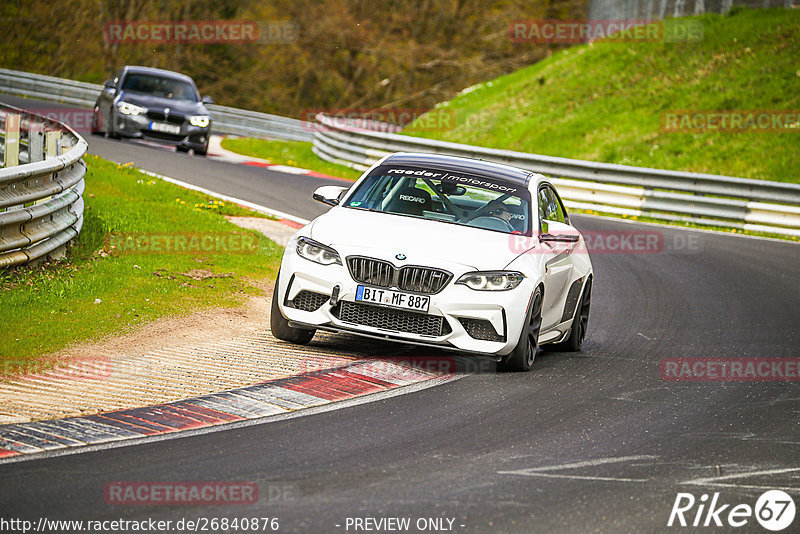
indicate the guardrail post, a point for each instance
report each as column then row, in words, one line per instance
column 35, row 141
column 36, row 148
column 11, row 158
column 51, row 147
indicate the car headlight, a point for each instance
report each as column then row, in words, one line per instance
column 317, row 252
column 201, row 121
column 130, row 109
column 491, row 280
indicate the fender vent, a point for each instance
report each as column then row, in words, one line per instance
column 572, row 300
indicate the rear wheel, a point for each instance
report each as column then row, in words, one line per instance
column 521, row 358
column 577, row 333
column 280, row 326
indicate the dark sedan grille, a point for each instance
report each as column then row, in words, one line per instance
column 308, row 300
column 174, row 118
column 410, row 278
column 393, row 320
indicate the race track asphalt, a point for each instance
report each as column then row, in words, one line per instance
column 595, row 441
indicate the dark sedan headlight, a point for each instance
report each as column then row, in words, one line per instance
column 201, row 121
column 491, row 280
column 127, row 108
column 317, row 252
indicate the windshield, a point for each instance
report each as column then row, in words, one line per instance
column 457, row 198
column 159, row 86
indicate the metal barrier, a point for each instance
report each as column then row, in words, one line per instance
column 753, row 205
column 225, row 120
column 41, row 183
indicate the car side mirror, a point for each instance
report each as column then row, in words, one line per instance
column 329, row 194
column 207, row 100
column 558, row 232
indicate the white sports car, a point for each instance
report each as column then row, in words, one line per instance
column 440, row 251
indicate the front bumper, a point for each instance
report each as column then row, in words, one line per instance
column 480, row 322
column 139, row 127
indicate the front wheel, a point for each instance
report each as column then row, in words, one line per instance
column 280, row 326
column 521, row 358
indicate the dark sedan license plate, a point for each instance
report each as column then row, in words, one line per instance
column 395, row 299
column 165, row 128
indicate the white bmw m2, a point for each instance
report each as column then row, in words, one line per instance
column 441, row 251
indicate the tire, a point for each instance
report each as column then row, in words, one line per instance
column 577, row 331
column 181, row 148
column 521, row 358
column 280, row 326
column 201, row 152
column 110, row 130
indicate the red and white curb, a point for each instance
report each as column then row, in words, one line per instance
column 273, row 399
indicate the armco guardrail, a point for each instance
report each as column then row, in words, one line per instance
column 225, row 120
column 41, row 183
column 753, row 205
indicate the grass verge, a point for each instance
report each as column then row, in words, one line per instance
column 292, row 153
column 606, row 101
column 115, row 279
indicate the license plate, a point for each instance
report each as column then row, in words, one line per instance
column 166, row 128
column 395, row 299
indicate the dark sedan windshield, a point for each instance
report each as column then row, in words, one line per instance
column 160, row 86
column 459, row 198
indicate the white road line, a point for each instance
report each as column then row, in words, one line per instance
column 755, row 487
column 251, row 205
column 585, row 463
column 574, row 477
column 712, row 480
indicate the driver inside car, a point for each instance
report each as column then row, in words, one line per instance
column 499, row 210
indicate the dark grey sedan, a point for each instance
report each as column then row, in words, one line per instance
column 156, row 104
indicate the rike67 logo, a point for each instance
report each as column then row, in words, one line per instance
column 774, row 510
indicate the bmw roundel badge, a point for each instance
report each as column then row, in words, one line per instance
column 401, row 257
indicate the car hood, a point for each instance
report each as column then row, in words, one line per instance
column 156, row 102
column 423, row 242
